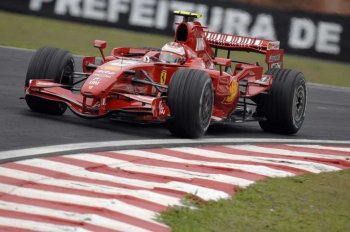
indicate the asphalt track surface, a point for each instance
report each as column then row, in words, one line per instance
column 328, row 115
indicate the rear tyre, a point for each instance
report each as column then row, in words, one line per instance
column 54, row 64
column 190, row 99
column 284, row 107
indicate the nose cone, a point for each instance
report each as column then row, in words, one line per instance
column 101, row 80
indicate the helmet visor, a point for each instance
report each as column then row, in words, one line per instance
column 170, row 57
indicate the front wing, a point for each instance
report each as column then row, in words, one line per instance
column 145, row 107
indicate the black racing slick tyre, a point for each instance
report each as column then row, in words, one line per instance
column 54, row 64
column 190, row 99
column 284, row 107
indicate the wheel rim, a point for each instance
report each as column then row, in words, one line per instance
column 67, row 80
column 206, row 107
column 66, row 74
column 299, row 102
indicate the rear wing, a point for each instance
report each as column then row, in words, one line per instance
column 274, row 55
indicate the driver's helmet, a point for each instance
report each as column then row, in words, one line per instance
column 173, row 53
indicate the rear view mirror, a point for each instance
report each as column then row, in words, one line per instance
column 222, row 62
column 100, row 44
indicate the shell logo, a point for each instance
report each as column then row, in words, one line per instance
column 233, row 91
column 110, row 68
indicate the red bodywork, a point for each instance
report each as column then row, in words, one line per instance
column 132, row 83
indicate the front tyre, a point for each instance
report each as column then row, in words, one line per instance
column 284, row 107
column 190, row 99
column 54, row 64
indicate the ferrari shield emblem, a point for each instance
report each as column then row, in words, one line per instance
column 163, row 77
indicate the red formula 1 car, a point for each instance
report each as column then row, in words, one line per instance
column 184, row 84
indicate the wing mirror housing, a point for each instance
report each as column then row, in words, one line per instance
column 222, row 62
column 101, row 44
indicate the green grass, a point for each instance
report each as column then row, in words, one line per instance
column 303, row 203
column 34, row 32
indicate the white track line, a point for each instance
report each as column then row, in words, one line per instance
column 115, row 144
column 257, row 169
column 111, row 204
column 37, row 226
column 95, row 188
column 309, row 166
column 92, row 219
column 346, row 149
column 205, row 193
column 283, row 152
column 174, row 172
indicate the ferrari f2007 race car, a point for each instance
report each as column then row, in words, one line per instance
column 184, row 84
